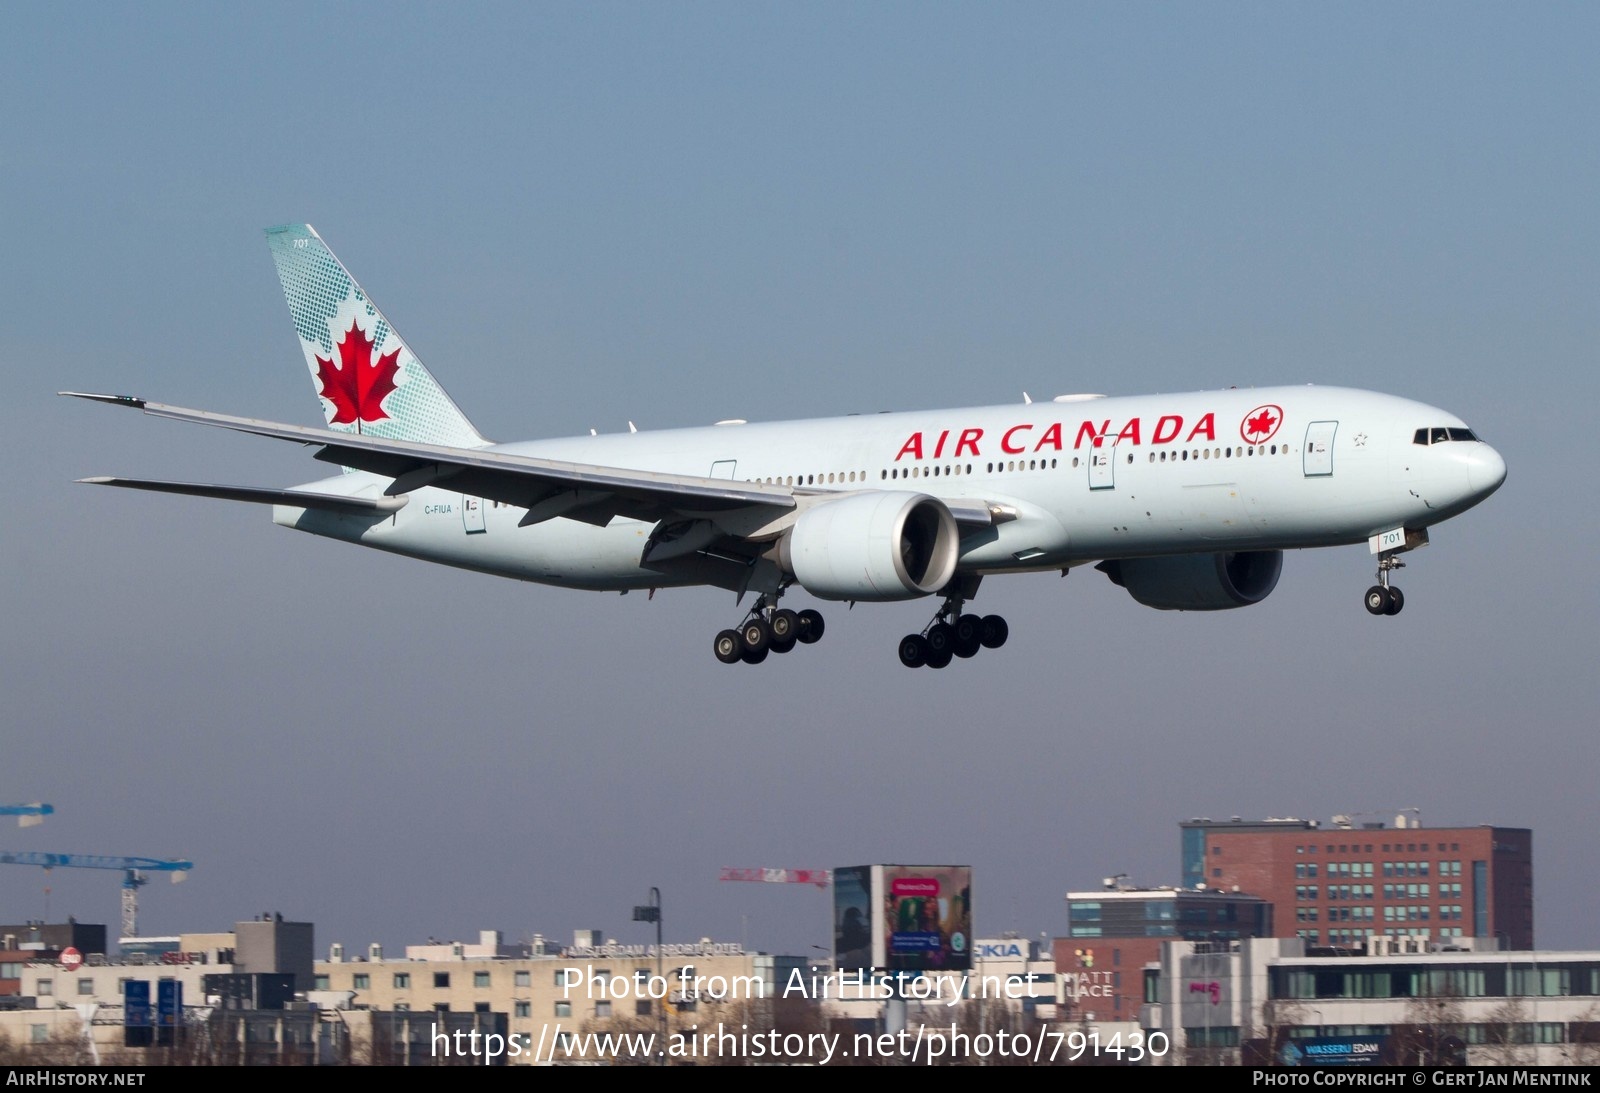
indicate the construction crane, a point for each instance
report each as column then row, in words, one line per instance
column 132, row 869
column 821, row 878
column 28, row 815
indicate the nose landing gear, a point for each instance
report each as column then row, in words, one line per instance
column 1384, row 598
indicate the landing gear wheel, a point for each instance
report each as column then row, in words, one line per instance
column 728, row 647
column 810, row 626
column 1377, row 600
column 941, row 639
column 785, row 630
column 913, row 650
column 785, row 626
column 755, row 656
column 1397, row 600
column 969, row 636
column 757, row 637
column 995, row 631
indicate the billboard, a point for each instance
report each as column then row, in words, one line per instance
column 138, row 1026
column 1333, row 1051
column 169, row 1011
column 915, row 918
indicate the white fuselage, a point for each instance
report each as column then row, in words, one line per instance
column 1093, row 478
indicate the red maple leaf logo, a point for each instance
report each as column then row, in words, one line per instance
column 1261, row 423
column 358, row 385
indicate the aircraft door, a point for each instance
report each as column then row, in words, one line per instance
column 1102, row 465
column 724, row 468
column 472, row 515
column 1319, row 448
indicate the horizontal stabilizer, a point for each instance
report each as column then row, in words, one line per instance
column 331, row 502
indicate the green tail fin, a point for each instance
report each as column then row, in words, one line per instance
column 368, row 379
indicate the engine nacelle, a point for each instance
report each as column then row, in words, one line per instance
column 1198, row 582
column 872, row 547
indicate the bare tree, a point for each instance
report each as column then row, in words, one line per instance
column 1431, row 1032
column 1504, row 1029
column 1583, row 1036
column 794, row 1023
column 64, row 1047
column 1263, row 1041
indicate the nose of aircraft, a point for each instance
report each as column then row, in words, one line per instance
column 1485, row 470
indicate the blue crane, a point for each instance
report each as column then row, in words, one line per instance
column 27, row 815
column 133, row 870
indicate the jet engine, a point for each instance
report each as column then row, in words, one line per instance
column 872, row 547
column 1198, row 582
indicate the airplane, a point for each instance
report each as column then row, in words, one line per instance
column 1187, row 501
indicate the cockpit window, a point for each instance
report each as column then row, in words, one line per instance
column 1439, row 434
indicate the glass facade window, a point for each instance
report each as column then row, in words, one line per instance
column 1480, row 899
column 1212, row 1037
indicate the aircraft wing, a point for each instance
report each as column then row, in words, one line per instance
column 547, row 488
column 305, row 499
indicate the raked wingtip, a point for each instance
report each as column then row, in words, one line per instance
column 115, row 400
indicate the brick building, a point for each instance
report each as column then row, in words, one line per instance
column 1335, row 885
column 1113, row 933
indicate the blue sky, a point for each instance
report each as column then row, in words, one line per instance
column 673, row 214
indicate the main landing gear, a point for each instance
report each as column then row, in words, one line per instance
column 767, row 629
column 952, row 634
column 1384, row 598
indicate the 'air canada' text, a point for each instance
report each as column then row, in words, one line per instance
column 1019, row 439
